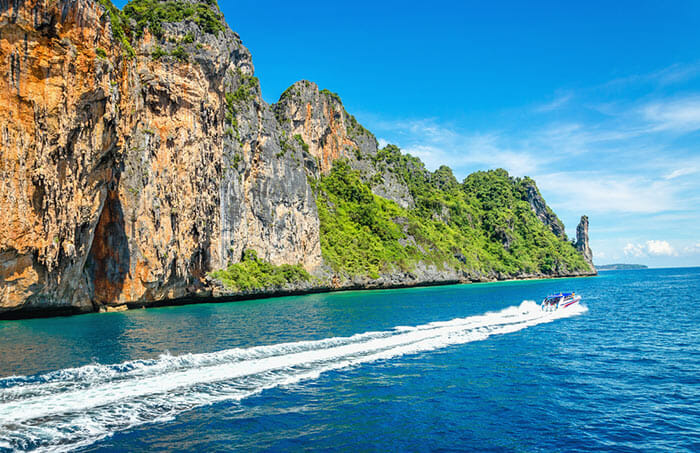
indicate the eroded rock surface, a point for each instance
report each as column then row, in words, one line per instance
column 124, row 179
column 319, row 119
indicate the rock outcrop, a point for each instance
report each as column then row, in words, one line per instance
column 138, row 157
column 319, row 121
column 582, row 244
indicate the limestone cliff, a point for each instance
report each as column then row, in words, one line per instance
column 138, row 156
column 128, row 178
column 543, row 212
column 319, row 119
column 60, row 120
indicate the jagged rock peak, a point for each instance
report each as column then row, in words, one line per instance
column 328, row 132
column 180, row 31
column 542, row 211
column 319, row 118
column 582, row 244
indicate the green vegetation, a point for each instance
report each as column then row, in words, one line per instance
column 294, row 91
column 187, row 39
column 231, row 115
column 152, row 14
column 120, row 28
column 100, row 52
column 331, row 94
column 358, row 234
column 246, row 91
column 230, row 108
column 253, row 273
column 354, row 128
column 482, row 225
column 301, row 142
column 289, row 92
column 158, row 52
column 179, row 53
column 285, row 147
column 237, row 160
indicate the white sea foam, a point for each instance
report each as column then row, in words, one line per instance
column 62, row 410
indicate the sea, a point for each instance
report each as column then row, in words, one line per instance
column 453, row 368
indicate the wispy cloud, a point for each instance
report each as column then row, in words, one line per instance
column 681, row 172
column 680, row 115
column 602, row 192
column 693, row 249
column 558, row 102
column 676, row 73
column 436, row 144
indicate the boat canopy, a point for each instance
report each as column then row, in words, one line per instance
column 559, row 295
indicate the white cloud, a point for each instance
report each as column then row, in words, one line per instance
column 382, row 142
column 676, row 73
column 633, row 250
column 660, row 248
column 650, row 248
column 680, row 172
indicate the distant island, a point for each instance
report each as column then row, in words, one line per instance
column 621, row 267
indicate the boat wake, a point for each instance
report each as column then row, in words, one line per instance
column 70, row 408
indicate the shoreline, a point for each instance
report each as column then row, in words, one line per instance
column 209, row 298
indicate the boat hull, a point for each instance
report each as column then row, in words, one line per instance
column 565, row 303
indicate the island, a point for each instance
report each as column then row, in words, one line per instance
column 142, row 167
column 621, row 267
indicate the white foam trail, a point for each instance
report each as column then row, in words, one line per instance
column 66, row 409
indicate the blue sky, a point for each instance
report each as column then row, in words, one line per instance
column 598, row 101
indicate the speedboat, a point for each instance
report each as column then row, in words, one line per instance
column 559, row 301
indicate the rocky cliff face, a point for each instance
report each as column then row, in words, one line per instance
column 542, row 211
column 319, row 120
column 138, row 156
column 128, row 179
column 59, row 114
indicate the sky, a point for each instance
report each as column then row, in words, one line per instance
column 598, row 101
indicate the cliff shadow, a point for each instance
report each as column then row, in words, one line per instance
column 107, row 266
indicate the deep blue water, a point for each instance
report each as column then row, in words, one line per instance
column 287, row 374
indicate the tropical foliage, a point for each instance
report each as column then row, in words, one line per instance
column 253, row 273
column 482, row 225
column 151, row 14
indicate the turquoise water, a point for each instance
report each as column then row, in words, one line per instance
column 448, row 368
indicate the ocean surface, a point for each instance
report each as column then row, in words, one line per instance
column 465, row 367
